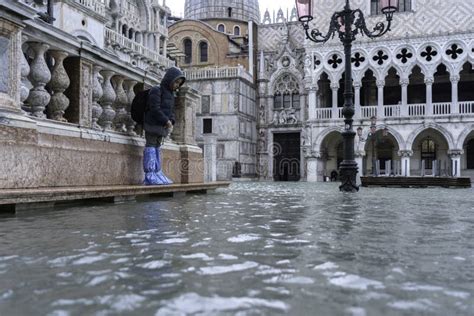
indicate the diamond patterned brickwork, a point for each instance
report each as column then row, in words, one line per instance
column 270, row 36
column 429, row 17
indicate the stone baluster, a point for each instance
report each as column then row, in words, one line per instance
column 106, row 101
column 129, row 85
column 120, row 103
column 39, row 76
column 97, row 92
column 58, row 84
column 25, row 84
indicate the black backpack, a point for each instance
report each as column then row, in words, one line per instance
column 138, row 107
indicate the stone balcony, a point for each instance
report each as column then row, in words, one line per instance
column 131, row 47
column 218, row 73
column 435, row 110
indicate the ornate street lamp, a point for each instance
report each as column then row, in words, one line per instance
column 346, row 24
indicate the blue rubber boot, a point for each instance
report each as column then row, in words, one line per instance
column 164, row 179
column 149, row 166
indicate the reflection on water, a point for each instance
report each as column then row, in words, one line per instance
column 253, row 249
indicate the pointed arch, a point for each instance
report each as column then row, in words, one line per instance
column 316, row 146
column 442, row 130
column 463, row 136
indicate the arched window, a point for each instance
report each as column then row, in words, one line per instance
column 403, row 6
column 221, row 28
column 203, row 52
column 428, row 152
column 229, row 12
column 236, row 30
column 286, row 93
column 188, row 51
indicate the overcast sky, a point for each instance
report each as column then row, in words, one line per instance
column 177, row 6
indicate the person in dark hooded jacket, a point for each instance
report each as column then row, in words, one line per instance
column 159, row 119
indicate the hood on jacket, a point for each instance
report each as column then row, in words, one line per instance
column 171, row 75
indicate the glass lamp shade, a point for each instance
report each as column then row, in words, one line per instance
column 359, row 131
column 304, row 10
column 388, row 6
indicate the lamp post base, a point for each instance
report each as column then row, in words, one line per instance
column 348, row 170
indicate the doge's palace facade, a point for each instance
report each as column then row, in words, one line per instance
column 417, row 82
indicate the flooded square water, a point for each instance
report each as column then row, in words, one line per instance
column 256, row 248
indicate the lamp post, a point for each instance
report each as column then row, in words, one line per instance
column 346, row 24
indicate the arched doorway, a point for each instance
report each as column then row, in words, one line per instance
column 381, row 149
column 431, row 147
column 331, row 154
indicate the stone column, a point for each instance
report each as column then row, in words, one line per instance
column 39, row 77
column 312, row 103
column 97, row 92
column 129, row 85
column 185, row 116
column 11, row 72
column 108, row 98
column 312, row 167
column 357, row 109
column 454, row 93
column 455, row 155
column 120, row 103
column 404, row 106
column 359, row 158
column 380, row 105
column 210, row 158
column 429, row 95
column 405, row 160
column 58, row 84
column 335, row 111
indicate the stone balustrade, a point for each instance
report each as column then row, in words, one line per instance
column 98, row 6
column 218, row 73
column 118, row 40
column 441, row 109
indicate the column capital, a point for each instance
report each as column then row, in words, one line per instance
column 429, row 80
column 360, row 153
column 334, row 85
column 455, row 78
column 404, row 82
column 380, row 83
column 455, row 153
column 357, row 84
column 405, row 153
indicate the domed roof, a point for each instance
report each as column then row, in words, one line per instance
column 245, row 10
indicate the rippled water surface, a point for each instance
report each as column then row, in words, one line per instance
column 252, row 249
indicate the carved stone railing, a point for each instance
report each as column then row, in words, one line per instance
column 115, row 39
column 98, row 6
column 218, row 73
column 441, row 109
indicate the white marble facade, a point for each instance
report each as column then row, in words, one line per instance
column 416, row 80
